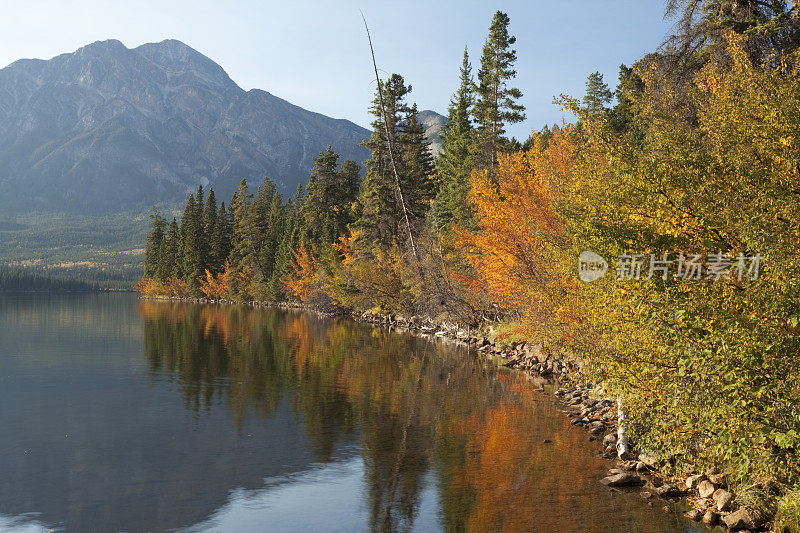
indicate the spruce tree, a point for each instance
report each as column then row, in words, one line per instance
column 210, row 261
column 268, row 252
column 242, row 257
column 221, row 238
column 321, row 209
column 458, row 153
column 154, row 245
column 192, row 230
column 169, row 253
column 496, row 103
column 417, row 167
column 385, row 200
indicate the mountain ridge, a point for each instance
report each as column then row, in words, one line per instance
column 108, row 127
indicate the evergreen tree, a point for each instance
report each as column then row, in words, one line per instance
column 417, row 166
column 385, row 199
column 154, row 245
column 458, row 153
column 192, row 231
column 268, row 253
column 597, row 94
column 210, row 260
column 496, row 103
column 242, row 256
column 292, row 227
column 221, row 239
column 330, row 194
column 169, row 253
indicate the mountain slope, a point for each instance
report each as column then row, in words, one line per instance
column 107, row 128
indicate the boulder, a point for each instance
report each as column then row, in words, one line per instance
column 611, row 439
column 693, row 481
column 710, row 518
column 744, row 519
column 706, row 488
column 723, row 499
column 625, row 479
column 693, row 514
column 667, row 490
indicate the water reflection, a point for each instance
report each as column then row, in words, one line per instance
column 418, row 409
column 240, row 419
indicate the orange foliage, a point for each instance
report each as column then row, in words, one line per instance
column 304, row 267
column 153, row 287
column 219, row 286
column 522, row 250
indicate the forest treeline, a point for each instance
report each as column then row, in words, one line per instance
column 685, row 180
column 43, row 279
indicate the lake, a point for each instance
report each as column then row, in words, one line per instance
column 118, row 414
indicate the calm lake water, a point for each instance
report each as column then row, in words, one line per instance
column 123, row 415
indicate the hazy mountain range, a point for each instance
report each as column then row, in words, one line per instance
column 107, row 128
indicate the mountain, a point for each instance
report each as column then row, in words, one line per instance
column 107, row 128
column 434, row 124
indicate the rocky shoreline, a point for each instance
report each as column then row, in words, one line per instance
column 707, row 493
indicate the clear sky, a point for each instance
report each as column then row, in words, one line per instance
column 314, row 53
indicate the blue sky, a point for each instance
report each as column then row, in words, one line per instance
column 315, row 54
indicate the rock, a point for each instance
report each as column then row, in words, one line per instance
column 666, row 509
column 649, row 459
column 706, row 488
column 642, row 468
column 710, row 518
column 667, row 490
column 744, row 519
column 625, row 479
column 611, row 439
column 718, row 479
column 693, row 514
column 693, row 481
column 646, row 495
column 723, row 499
column 597, row 430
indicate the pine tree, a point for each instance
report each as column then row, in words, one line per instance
column 458, row 153
column 496, row 103
column 154, row 245
column 597, row 94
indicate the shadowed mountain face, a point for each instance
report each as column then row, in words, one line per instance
column 107, row 127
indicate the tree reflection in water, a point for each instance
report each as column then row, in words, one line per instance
column 415, row 405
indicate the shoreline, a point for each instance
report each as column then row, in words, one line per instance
column 705, row 494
